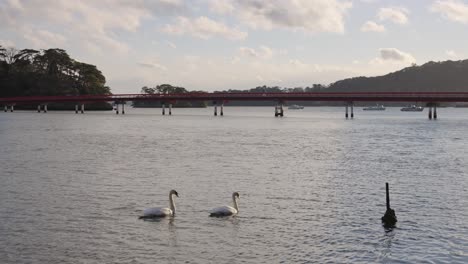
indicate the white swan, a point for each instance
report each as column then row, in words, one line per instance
column 227, row 210
column 161, row 212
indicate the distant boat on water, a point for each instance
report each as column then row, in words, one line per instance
column 374, row 108
column 295, row 106
column 412, row 108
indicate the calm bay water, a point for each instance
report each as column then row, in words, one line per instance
column 311, row 184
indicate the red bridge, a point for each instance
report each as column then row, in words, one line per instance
column 345, row 97
column 431, row 98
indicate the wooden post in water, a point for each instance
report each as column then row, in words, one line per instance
column 387, row 196
column 389, row 219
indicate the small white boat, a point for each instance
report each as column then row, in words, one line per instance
column 374, row 108
column 295, row 106
column 412, row 108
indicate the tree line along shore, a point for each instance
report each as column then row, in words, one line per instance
column 30, row 72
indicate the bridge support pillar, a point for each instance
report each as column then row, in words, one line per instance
column 279, row 110
column 123, row 108
column 215, row 108
column 221, row 110
column 170, row 109
column 435, row 111
column 346, row 114
column 38, row 108
column 45, row 108
column 76, row 109
column 352, row 110
column 163, row 106
column 5, row 108
column 12, row 108
column 430, row 112
column 116, row 108
column 82, row 108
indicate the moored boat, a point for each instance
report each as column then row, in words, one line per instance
column 374, row 108
column 412, row 108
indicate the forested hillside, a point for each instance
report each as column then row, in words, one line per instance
column 447, row 76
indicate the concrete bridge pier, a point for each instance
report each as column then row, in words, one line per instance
column 76, row 109
column 221, row 110
column 435, row 111
column 123, row 108
column 5, row 108
column 352, row 110
column 163, row 106
column 116, row 108
column 215, row 108
column 346, row 114
column 12, row 108
column 279, row 110
column 45, row 108
column 38, row 108
column 430, row 112
column 82, row 108
column 170, row 109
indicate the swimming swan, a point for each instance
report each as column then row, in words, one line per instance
column 227, row 210
column 161, row 212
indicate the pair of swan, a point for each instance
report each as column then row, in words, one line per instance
column 163, row 212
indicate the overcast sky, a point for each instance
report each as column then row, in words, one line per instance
column 226, row 44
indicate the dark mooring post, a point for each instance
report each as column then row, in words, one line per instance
column 346, row 115
column 170, row 108
column 163, row 109
column 389, row 219
column 430, row 112
column 215, row 113
column 352, row 110
column 435, row 111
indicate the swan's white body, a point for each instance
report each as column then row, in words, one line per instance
column 160, row 211
column 227, row 210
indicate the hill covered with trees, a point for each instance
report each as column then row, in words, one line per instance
column 168, row 89
column 447, row 76
column 31, row 72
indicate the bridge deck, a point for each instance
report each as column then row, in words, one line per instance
column 347, row 97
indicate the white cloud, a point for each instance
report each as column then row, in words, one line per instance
column 45, row 39
column 371, row 26
column 221, row 6
column 92, row 24
column 309, row 15
column 152, row 65
column 263, row 52
column 397, row 15
column 392, row 55
column 453, row 10
column 451, row 53
column 171, row 44
column 204, row 28
column 6, row 43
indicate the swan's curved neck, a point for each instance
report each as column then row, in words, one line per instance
column 234, row 201
column 171, row 203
